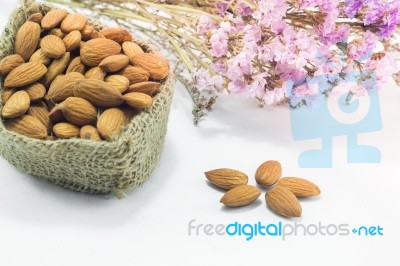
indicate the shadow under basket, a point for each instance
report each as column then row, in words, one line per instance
column 115, row 166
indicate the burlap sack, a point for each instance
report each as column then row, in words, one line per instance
column 96, row 167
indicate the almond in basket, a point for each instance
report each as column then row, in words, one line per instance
column 67, row 80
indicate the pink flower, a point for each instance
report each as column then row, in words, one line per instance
column 204, row 81
column 306, row 90
column 219, row 43
column 204, row 25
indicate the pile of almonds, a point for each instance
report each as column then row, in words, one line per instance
column 281, row 196
column 67, row 80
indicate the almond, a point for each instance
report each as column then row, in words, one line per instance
column 36, row 17
column 90, row 133
column 240, row 196
column 114, row 63
column 98, row 93
column 87, row 32
column 53, row 18
column 283, row 202
column 25, row 74
column 73, row 22
column 119, row 82
column 7, row 93
column 138, row 100
column 36, row 91
column 135, row 74
column 156, row 65
column 10, row 62
column 56, row 114
column 95, row 73
column 41, row 112
column 52, row 46
column 66, row 130
column 17, row 105
column 73, row 40
column 131, row 49
column 299, row 186
column 27, row 39
column 94, row 51
column 40, row 57
column 149, row 87
column 226, row 178
column 57, row 67
column 64, row 87
column 268, row 173
column 76, row 66
column 97, row 35
column 119, row 35
column 110, row 122
column 58, row 32
column 79, row 112
column 28, row 126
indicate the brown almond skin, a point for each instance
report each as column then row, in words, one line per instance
column 138, row 100
column 299, row 186
column 283, row 202
column 240, row 196
column 36, row 91
column 114, row 63
column 76, row 65
column 17, row 105
column 10, row 62
column 134, row 74
column 119, row 82
column 90, row 133
column 79, row 112
column 27, row 125
column 156, row 65
column 119, row 35
column 58, row 32
column 110, row 122
column 25, row 74
column 36, row 17
column 66, row 130
column 40, row 57
column 41, row 112
column 73, row 22
column 52, row 46
column 56, row 68
column 27, row 39
column 226, row 178
column 53, row 18
column 95, row 73
column 87, row 32
column 64, row 87
column 98, row 93
column 73, row 40
column 131, row 49
column 7, row 93
column 149, row 87
column 94, row 51
column 56, row 114
column 268, row 173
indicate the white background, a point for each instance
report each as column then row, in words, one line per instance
column 42, row 224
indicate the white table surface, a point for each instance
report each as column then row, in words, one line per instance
column 42, row 224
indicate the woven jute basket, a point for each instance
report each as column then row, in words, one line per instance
column 115, row 166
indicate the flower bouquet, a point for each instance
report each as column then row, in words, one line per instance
column 269, row 50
